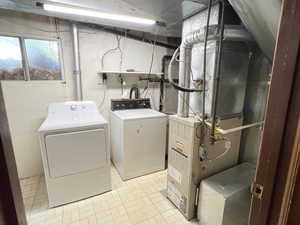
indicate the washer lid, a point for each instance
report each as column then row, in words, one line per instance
column 65, row 115
column 132, row 114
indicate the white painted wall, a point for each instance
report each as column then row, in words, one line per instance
column 136, row 55
column 27, row 101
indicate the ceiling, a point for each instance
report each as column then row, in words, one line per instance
column 261, row 18
column 169, row 12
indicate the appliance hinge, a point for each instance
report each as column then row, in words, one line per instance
column 257, row 190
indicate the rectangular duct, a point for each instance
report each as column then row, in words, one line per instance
column 233, row 69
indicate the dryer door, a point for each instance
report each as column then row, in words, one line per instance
column 76, row 152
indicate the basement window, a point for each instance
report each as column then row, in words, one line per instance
column 11, row 62
column 43, row 59
column 29, row 59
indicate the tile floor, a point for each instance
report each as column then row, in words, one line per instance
column 139, row 201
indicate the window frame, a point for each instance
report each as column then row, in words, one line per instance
column 22, row 55
column 25, row 56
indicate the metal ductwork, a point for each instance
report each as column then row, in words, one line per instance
column 231, row 33
column 261, row 18
column 77, row 69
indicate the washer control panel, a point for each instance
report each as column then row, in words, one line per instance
column 123, row 104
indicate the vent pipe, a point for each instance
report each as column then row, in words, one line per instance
column 231, row 33
column 77, row 69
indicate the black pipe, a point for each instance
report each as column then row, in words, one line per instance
column 155, row 80
column 162, row 80
column 174, row 84
column 204, row 66
column 136, row 92
column 217, row 75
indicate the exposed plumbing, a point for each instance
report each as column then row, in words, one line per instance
column 236, row 129
column 217, row 75
column 213, row 32
column 162, row 81
column 203, row 127
column 136, row 91
column 77, row 69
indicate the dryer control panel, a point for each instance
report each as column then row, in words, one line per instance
column 123, row 104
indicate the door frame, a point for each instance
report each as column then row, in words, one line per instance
column 279, row 107
column 288, row 151
column 292, row 175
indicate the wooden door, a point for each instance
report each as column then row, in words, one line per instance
column 290, row 206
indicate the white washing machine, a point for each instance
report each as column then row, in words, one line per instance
column 138, row 136
column 75, row 151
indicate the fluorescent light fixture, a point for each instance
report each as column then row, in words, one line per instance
column 96, row 14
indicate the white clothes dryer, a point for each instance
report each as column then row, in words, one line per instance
column 75, row 151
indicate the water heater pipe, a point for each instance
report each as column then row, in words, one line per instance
column 236, row 129
column 184, row 71
column 217, row 76
column 77, row 69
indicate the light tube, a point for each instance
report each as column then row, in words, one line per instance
column 96, row 14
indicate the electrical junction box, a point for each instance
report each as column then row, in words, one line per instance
column 185, row 169
column 224, row 199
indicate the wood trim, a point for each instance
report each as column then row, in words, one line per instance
column 294, row 217
column 291, row 180
column 283, row 73
column 12, row 211
column 286, row 152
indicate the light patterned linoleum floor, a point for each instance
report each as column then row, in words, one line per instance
column 139, row 201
